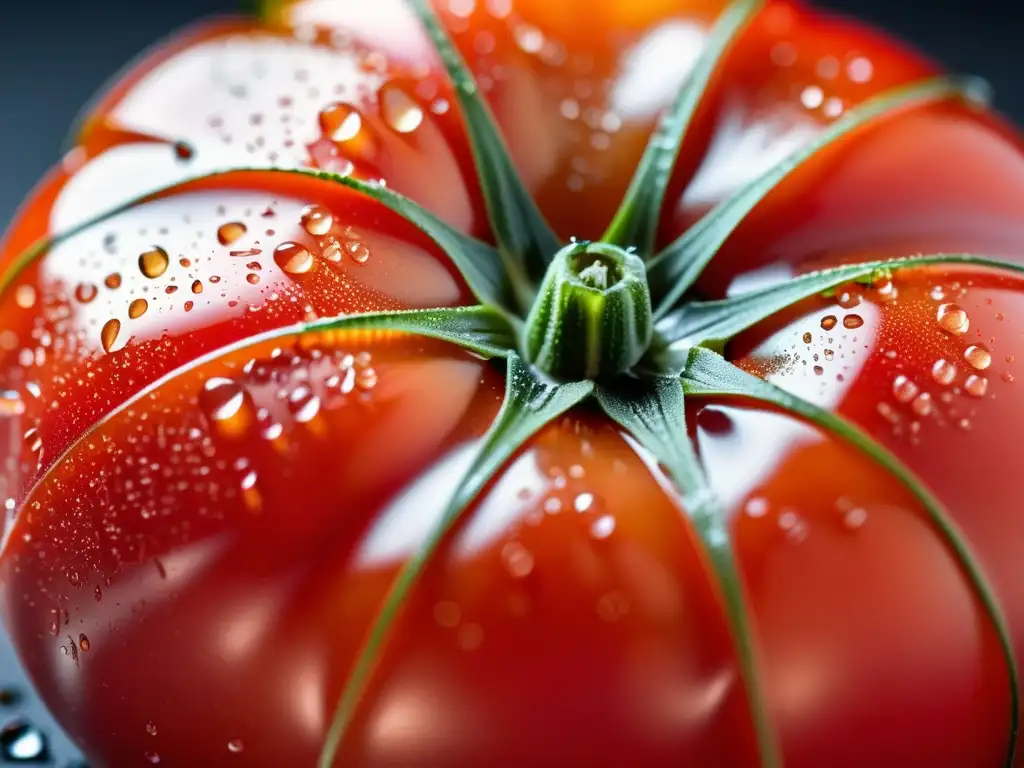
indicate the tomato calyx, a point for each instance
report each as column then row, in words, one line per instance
column 592, row 316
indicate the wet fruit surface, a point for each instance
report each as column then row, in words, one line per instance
column 210, row 517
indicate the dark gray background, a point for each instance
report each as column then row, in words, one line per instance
column 55, row 54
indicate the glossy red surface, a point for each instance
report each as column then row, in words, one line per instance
column 207, row 525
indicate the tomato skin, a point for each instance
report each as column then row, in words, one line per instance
column 223, row 571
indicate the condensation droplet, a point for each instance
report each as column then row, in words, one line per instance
column 366, row 378
column 976, row 385
column 303, row 404
column 953, row 318
column 357, row 251
column 230, row 232
column 399, row 110
column 151, row 729
column 83, row 643
column 340, row 122
column 807, row 338
column 603, row 527
column 221, row 398
column 904, row 390
column 316, row 220
column 978, row 357
column 197, row 286
column 25, row 296
column 108, row 336
column 518, row 560
column 818, row 370
column 756, row 507
column 112, row 281
column 137, row 308
column 853, row 321
column 154, row 262
column 293, row 258
column 855, row 518
column 943, row 371
column 923, row 404
column 235, row 746
column 85, row 292
column 828, row 322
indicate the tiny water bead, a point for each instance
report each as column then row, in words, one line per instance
column 221, row 398
column 137, row 308
column 230, row 232
column 943, row 371
column 853, row 321
column 235, row 746
column 953, row 319
column 828, row 322
column 807, row 338
column 25, row 296
column 293, row 258
column 340, row 122
column 151, row 729
column 978, row 357
column 109, row 333
column 518, row 560
column 154, row 262
column 923, row 404
column 316, row 220
column 358, row 251
column 85, row 292
column 197, row 286
column 603, row 527
column 975, row 385
column 112, row 281
column 400, row 112
column 904, row 390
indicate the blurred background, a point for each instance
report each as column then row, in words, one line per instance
column 54, row 54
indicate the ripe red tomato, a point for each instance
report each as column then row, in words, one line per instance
column 206, row 527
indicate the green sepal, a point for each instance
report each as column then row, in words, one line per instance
column 708, row 373
column 636, row 220
column 525, row 240
column 592, row 316
column 530, row 403
column 476, row 261
column 653, row 412
column 712, row 323
column 676, row 269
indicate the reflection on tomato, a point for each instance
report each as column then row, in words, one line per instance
column 206, row 529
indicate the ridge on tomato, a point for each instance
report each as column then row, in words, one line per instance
column 402, row 384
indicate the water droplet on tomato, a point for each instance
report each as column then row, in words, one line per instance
column 855, row 518
column 235, row 746
column 923, row 404
column 152, row 757
column 357, row 251
column 943, row 371
column 517, row 559
column 303, row 404
column 853, row 321
column 293, row 258
column 366, row 378
column 108, row 335
column 399, row 110
column 25, row 296
column 83, row 643
column 85, row 292
column 331, row 250
column 316, row 220
column 978, row 357
column 953, row 318
column 976, row 386
column 583, row 502
column 221, row 398
column 904, row 390
column 807, row 338
column 230, row 232
column 828, row 322
column 151, row 729
column 252, row 278
column 137, row 308
column 756, row 507
column 340, row 122
column 154, row 262
column 603, row 527
column 848, row 299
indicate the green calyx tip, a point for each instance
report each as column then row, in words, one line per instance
column 592, row 315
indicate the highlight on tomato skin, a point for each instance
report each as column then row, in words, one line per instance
column 208, row 526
